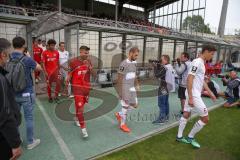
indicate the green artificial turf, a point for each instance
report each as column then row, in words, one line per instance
column 220, row 140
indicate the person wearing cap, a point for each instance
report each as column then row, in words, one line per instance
column 80, row 70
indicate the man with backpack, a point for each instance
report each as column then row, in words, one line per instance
column 20, row 68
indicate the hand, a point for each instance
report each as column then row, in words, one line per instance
column 137, row 87
column 46, row 74
column 213, row 97
column 190, row 102
column 120, row 97
column 16, row 152
column 27, row 54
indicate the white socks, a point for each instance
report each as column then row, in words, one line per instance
column 182, row 125
column 196, row 128
column 123, row 114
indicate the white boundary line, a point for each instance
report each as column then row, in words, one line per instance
column 68, row 155
column 149, row 135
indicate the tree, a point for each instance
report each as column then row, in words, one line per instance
column 196, row 23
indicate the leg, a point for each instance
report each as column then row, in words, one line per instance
column 202, row 110
column 79, row 108
column 230, row 102
column 49, row 85
column 182, row 104
column 167, row 107
column 58, row 83
column 161, row 107
column 28, row 106
column 198, row 126
column 183, row 120
column 6, row 151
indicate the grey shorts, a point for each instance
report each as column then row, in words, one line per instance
column 129, row 98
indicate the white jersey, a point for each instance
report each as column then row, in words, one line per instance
column 43, row 48
column 182, row 71
column 198, row 70
column 63, row 57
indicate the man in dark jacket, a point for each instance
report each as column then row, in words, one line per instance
column 10, row 117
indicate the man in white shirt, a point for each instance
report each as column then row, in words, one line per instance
column 195, row 84
column 63, row 61
column 182, row 67
column 42, row 44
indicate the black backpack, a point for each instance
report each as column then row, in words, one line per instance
column 16, row 74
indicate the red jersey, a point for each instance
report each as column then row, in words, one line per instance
column 80, row 76
column 37, row 53
column 51, row 61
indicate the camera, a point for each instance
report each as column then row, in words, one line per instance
column 223, row 76
column 154, row 61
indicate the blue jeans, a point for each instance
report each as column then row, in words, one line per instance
column 27, row 103
column 163, row 105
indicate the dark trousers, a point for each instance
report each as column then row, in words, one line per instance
column 5, row 149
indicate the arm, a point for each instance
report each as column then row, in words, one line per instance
column 69, row 77
column 119, row 85
column 205, row 86
column 180, row 69
column 189, row 88
column 43, row 64
column 38, row 67
column 137, row 84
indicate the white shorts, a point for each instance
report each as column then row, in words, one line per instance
column 129, row 99
column 199, row 107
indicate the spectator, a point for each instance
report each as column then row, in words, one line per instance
column 164, row 74
column 232, row 92
column 26, row 97
column 213, row 86
column 10, row 117
column 182, row 68
column 42, row 44
column 63, row 61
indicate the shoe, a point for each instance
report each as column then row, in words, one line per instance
column 159, row 121
column 59, row 94
column 50, row 100
column 84, row 133
column 77, row 123
column 183, row 140
column 125, row 128
column 35, row 143
column 71, row 96
column 56, row 99
column 193, row 142
column 118, row 117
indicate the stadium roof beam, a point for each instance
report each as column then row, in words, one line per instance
column 148, row 4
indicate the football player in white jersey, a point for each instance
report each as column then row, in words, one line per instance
column 195, row 84
column 127, row 87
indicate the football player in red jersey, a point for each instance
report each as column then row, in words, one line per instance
column 50, row 59
column 81, row 69
column 37, row 54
